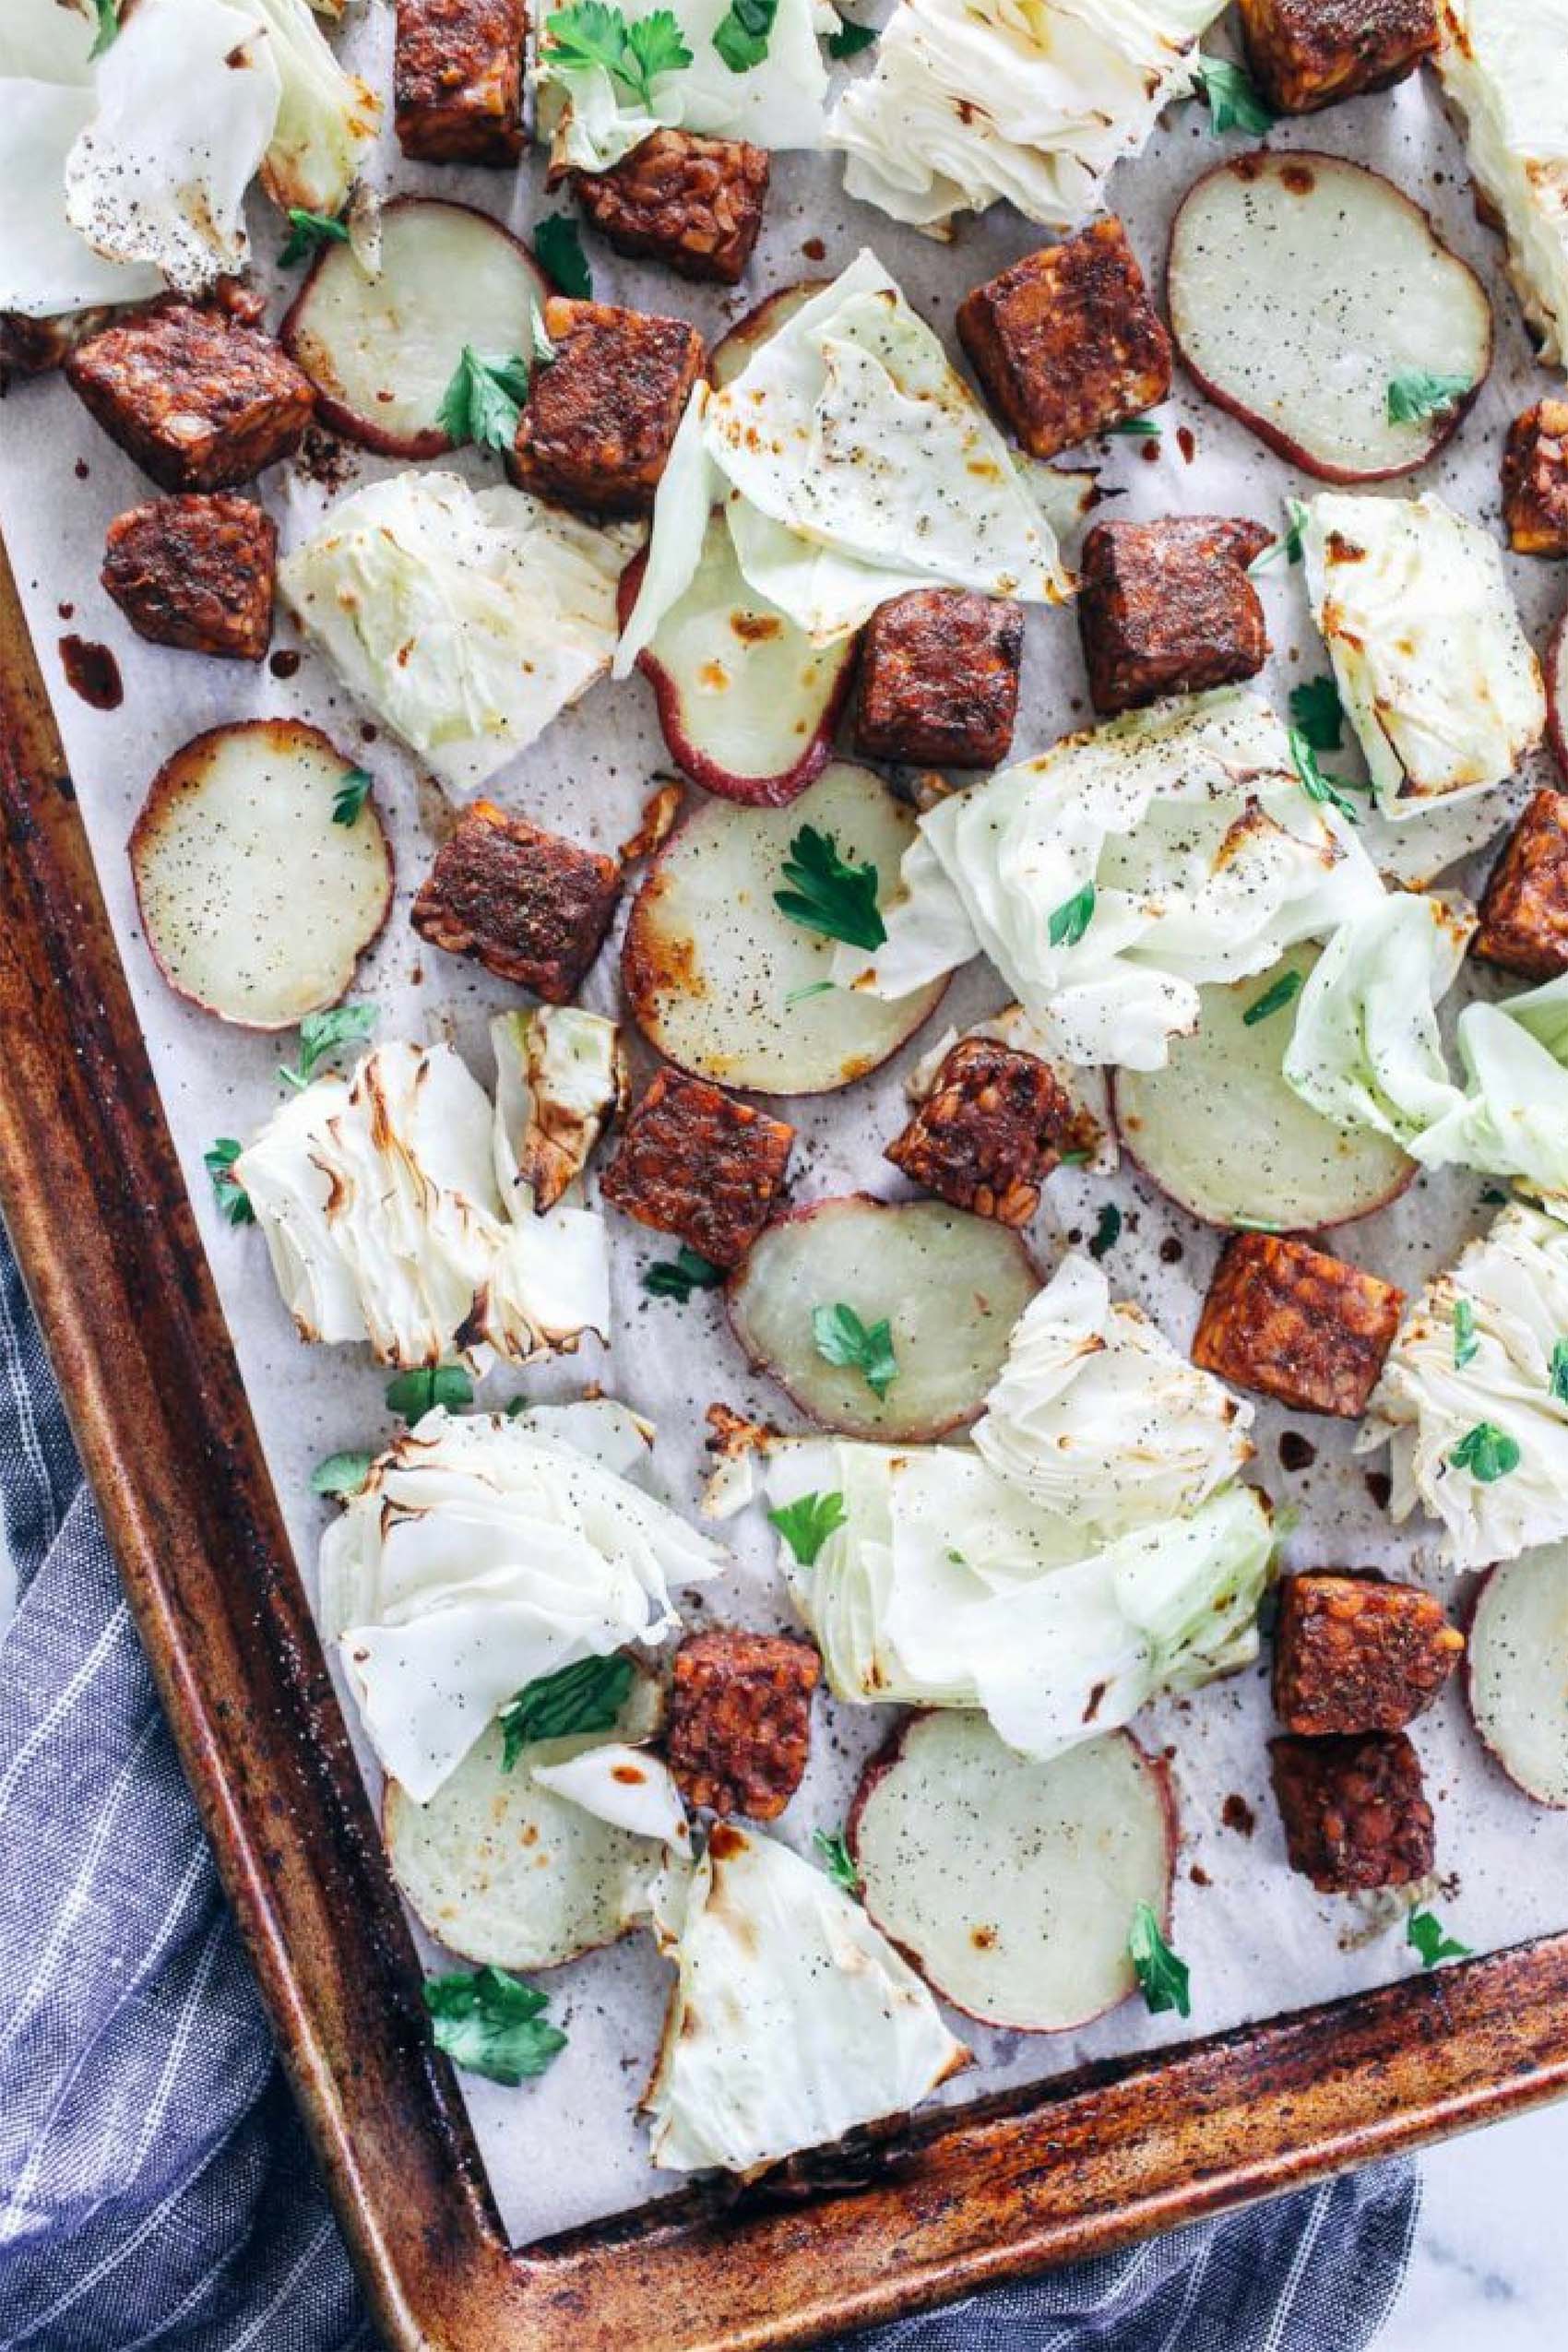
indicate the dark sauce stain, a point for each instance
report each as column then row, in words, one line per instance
column 814, row 250
column 1296, row 1452
column 1380, row 1486
column 1170, row 1251
column 92, row 672
column 1149, row 452
column 67, row 612
column 285, row 662
column 1237, row 1814
column 1199, row 1876
column 83, row 470
column 1186, row 441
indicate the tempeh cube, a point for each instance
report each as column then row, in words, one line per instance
column 196, row 572
column 1524, row 912
column 1167, row 608
column 201, row 399
column 1307, row 53
column 740, row 1719
column 527, row 905
column 600, row 419
column 693, row 203
column 992, row 1129
column 1535, row 480
column 1354, row 1811
column 938, row 679
column 1357, row 1654
column 458, row 79
column 1297, row 1324
column 696, row 1163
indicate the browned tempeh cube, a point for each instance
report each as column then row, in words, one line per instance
column 696, row 1163
column 992, row 1129
column 201, row 399
column 740, row 1719
column 1524, row 923
column 458, row 79
column 694, row 203
column 938, row 679
column 1307, row 53
column 528, row 906
column 1297, row 1324
column 1067, row 342
column 1167, row 608
column 1357, row 1654
column 1354, row 1811
column 597, row 429
column 196, row 572
column 1535, row 480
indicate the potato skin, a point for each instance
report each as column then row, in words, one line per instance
column 1167, row 608
column 696, row 1163
column 1524, row 911
column 938, row 679
column 993, row 1127
column 694, row 204
column 1354, row 1811
column 1309, row 53
column 457, row 80
column 196, row 572
column 529, row 905
column 1297, row 1324
column 1067, row 342
column 600, row 419
column 739, row 1732
column 1355, row 1654
column 1535, row 480
column 197, row 395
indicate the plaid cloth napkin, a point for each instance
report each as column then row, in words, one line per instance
column 156, row 2189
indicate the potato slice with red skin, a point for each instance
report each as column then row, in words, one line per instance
column 1516, row 1670
column 257, row 903
column 1011, row 1885
column 1300, row 288
column 735, row 352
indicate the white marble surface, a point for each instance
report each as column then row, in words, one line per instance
column 1489, row 2268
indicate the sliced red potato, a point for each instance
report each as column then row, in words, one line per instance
column 382, row 351
column 1012, row 1885
column 1516, row 1669
column 257, row 903
column 747, row 704
column 1556, row 668
column 731, row 989
column 734, row 352
column 1224, row 1136
column 951, row 1286
column 1300, row 287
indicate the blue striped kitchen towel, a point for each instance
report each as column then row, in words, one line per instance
column 156, row 2192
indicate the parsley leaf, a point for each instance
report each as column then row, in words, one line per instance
column 1423, row 1931
column 1465, row 1341
column 814, row 988
column 1072, row 918
column 1557, row 1371
column 340, row 1474
column 1137, row 428
column 1162, row 1977
column 806, row 1524
column 591, row 33
column 1108, row 1231
column 828, row 896
column 1233, row 102
column 742, row 33
column 842, row 1338
column 1287, row 545
column 1418, row 394
column 558, row 242
column 678, row 1277
column 322, row 1033
column 1313, row 782
column 484, row 400
column 1273, row 1000
column 308, row 231
column 1317, row 713
column 1487, row 1451
column 489, row 2023
column 108, row 26
column 414, row 1394
column 232, row 1198
column 586, row 1696
column 832, row 1844
column 849, row 39
column 352, row 793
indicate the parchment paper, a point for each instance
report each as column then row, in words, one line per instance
column 1257, row 1938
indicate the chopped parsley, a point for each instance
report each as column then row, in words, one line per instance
column 341, row 1474
column 1418, row 394
column 586, row 1696
column 1287, row 545
column 352, row 793
column 678, row 1277
column 1313, row 782
column 308, row 231
column 1108, row 1231
column 414, row 1394
column 1466, row 1344
column 558, row 242
column 1557, row 1371
column 813, row 988
column 806, row 1524
column 232, row 1198
column 1423, row 1932
column 1274, row 998
column 591, row 33
column 850, row 39
column 490, row 2023
column 483, row 403
column 322, row 1033
column 1487, row 1451
column 1072, row 918
column 742, row 33
column 1137, row 428
column 1163, row 1979
column 842, row 1338
column 1233, row 101
column 827, row 895
column 1318, row 714
column 832, row 1844
column 108, row 12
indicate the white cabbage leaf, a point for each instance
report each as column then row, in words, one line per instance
column 187, row 98
column 592, row 121
column 1184, row 838
column 327, row 117
column 47, row 41
column 481, row 1555
column 1436, row 676
column 624, row 1785
column 377, row 1198
column 947, row 1586
column 1500, row 64
column 1367, row 1050
column 560, row 1076
column 794, row 2019
column 970, row 102
column 1097, row 1417
column 1508, row 1292
column 853, row 462
column 47, row 267
column 466, row 620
